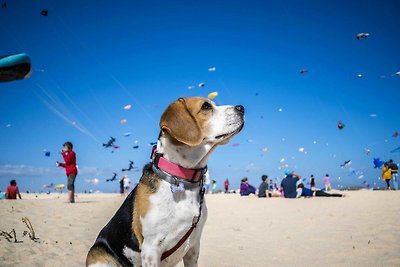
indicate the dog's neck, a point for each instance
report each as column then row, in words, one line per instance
column 184, row 155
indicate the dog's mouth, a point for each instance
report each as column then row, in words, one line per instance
column 223, row 136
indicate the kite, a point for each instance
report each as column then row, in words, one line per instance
column 110, row 142
column 127, row 107
column 135, row 147
column 152, row 143
column 360, row 75
column 367, row 151
column 212, row 95
column 282, row 160
column 44, row 12
column 395, row 150
column 113, row 178
column 303, row 71
column 346, row 163
column 301, row 149
column 131, row 167
column 190, row 87
column 93, row 181
column 264, row 149
column 212, row 69
column 340, row 125
column 8, row 125
column 280, row 109
column 123, row 121
column 201, row 85
column 395, row 134
column 127, row 134
column 15, row 67
column 362, row 35
column 314, row 142
column 59, row 187
column 378, row 163
column 47, row 153
column 373, row 115
column 397, row 73
column 48, row 185
column 235, row 145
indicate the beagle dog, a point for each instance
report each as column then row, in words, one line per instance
column 161, row 220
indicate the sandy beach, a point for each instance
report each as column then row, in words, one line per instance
column 361, row 229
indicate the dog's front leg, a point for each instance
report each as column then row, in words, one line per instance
column 150, row 254
column 191, row 257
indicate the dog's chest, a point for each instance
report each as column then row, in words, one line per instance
column 170, row 216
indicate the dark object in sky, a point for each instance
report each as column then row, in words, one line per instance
column 44, row 12
column 15, row 67
column 110, row 142
column 346, row 163
column 303, row 71
column 395, row 134
column 131, row 163
column 47, row 153
column 395, row 150
column 135, row 147
column 113, row 178
column 362, row 35
column 378, row 163
column 152, row 143
column 340, row 125
column 4, row 5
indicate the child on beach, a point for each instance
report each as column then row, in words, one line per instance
column 12, row 191
column 312, row 182
column 70, row 168
column 387, row 174
column 327, row 182
column 263, row 188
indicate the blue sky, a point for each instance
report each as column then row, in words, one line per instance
column 90, row 59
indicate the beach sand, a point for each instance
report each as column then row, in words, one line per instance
column 361, row 229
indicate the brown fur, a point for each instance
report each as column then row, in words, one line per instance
column 185, row 121
column 100, row 255
column 148, row 185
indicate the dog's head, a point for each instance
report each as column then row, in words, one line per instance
column 196, row 120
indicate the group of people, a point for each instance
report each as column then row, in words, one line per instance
column 390, row 173
column 291, row 187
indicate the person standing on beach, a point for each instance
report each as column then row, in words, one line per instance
column 127, row 185
column 263, row 188
column 70, row 168
column 226, row 185
column 393, row 166
column 12, row 191
column 121, row 186
column 312, row 182
column 387, row 174
column 327, row 182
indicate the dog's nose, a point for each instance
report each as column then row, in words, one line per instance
column 240, row 108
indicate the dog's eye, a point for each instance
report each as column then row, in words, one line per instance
column 206, row 106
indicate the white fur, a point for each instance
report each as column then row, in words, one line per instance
column 170, row 215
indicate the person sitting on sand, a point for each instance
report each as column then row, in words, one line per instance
column 327, row 182
column 263, row 188
column 245, row 188
column 12, row 191
column 387, row 174
column 70, row 168
column 307, row 192
column 289, row 184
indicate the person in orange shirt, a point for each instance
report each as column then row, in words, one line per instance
column 12, row 191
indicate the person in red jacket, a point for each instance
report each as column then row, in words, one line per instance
column 70, row 168
column 226, row 185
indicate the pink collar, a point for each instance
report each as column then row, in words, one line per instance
column 188, row 175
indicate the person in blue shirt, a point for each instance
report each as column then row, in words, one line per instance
column 289, row 184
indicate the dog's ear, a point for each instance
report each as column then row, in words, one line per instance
column 178, row 121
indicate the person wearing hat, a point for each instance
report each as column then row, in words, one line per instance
column 289, row 184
